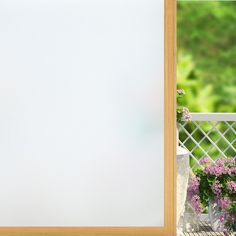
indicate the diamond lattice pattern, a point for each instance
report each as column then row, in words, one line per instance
column 213, row 139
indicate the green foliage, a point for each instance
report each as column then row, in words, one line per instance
column 206, row 63
column 217, row 183
column 199, row 96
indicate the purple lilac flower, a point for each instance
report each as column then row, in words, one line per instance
column 186, row 114
column 216, row 188
column 193, row 188
column 220, row 162
column 226, row 233
column 205, row 161
column 222, row 218
column 230, row 217
column 224, row 162
column 231, row 185
column 221, row 166
column 224, row 203
column 196, row 204
column 232, row 170
column 215, row 170
column 230, row 160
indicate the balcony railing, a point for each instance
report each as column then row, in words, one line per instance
column 209, row 134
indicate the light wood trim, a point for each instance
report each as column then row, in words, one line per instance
column 170, row 116
column 169, row 228
column 83, row 231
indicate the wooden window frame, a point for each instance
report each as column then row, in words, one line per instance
column 169, row 228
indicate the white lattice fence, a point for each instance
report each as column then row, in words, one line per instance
column 209, row 134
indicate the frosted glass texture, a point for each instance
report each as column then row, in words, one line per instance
column 81, row 113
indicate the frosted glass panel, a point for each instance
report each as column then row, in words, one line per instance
column 81, row 113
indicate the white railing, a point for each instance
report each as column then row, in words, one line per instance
column 209, row 134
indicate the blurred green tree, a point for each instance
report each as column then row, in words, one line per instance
column 206, row 63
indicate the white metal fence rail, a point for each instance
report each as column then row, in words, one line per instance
column 209, row 134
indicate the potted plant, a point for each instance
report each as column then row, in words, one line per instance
column 214, row 187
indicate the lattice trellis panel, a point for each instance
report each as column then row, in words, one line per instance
column 208, row 138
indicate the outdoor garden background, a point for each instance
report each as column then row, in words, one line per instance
column 206, row 69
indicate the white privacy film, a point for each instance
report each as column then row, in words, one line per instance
column 81, row 112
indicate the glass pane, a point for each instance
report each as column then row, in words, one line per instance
column 81, row 113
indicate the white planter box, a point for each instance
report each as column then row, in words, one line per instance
column 214, row 216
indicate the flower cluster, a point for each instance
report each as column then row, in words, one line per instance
column 224, row 203
column 231, row 185
column 216, row 182
column 222, row 166
column 196, row 204
column 193, row 194
column 186, row 114
column 216, row 188
column 205, row 161
column 183, row 114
